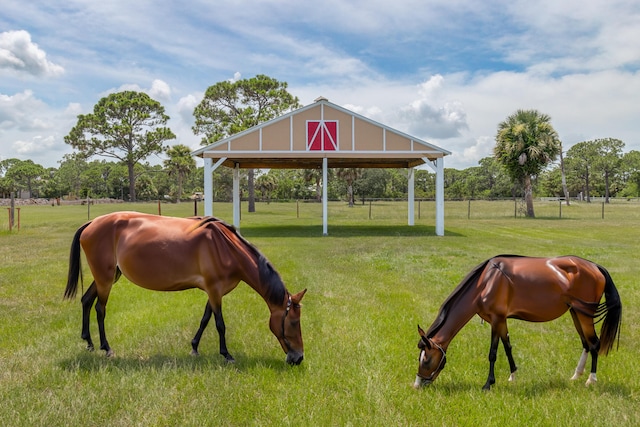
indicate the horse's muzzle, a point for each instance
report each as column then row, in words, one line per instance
column 421, row 382
column 294, row 358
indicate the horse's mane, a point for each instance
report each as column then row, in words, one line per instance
column 275, row 289
column 470, row 280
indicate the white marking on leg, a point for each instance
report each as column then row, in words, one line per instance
column 591, row 380
column 512, row 377
column 581, row 363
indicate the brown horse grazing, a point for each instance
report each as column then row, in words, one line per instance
column 174, row 254
column 531, row 289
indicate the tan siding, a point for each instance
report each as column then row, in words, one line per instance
column 396, row 142
column 249, row 142
column 221, row 147
column 276, row 136
column 368, row 136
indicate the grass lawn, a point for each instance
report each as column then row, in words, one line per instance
column 370, row 282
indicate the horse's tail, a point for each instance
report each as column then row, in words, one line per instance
column 75, row 270
column 612, row 316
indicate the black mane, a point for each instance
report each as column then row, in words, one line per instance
column 468, row 281
column 275, row 289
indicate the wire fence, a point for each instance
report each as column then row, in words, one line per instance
column 385, row 211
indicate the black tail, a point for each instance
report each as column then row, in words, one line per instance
column 610, row 331
column 75, row 270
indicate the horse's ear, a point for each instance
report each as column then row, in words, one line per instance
column 421, row 332
column 297, row 297
column 424, row 338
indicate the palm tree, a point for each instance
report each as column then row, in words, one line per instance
column 525, row 143
column 179, row 164
column 315, row 176
column 266, row 183
column 349, row 175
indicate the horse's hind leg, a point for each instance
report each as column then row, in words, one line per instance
column 195, row 342
column 581, row 364
column 87, row 302
column 590, row 344
column 100, row 314
column 101, row 311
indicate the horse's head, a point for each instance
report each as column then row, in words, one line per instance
column 431, row 360
column 285, row 325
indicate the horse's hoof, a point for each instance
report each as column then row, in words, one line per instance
column 110, row 354
column 591, row 380
column 195, row 353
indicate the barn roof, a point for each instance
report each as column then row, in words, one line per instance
column 303, row 137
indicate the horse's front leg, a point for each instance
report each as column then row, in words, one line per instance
column 87, row 300
column 217, row 314
column 506, row 343
column 493, row 352
column 195, row 342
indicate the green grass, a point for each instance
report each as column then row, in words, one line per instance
column 370, row 282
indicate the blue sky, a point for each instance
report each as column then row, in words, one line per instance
column 446, row 71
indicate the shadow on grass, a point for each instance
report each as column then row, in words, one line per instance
column 342, row 231
column 97, row 361
column 531, row 389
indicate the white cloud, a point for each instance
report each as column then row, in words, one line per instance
column 186, row 105
column 22, row 112
column 36, row 145
column 19, row 53
column 160, row 90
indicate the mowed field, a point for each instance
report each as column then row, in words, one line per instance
column 370, row 282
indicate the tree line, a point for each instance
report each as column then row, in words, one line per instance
column 129, row 127
column 592, row 168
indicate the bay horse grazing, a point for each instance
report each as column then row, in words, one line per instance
column 173, row 254
column 531, row 289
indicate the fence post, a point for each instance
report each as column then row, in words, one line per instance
column 369, row 209
column 297, row 208
column 602, row 210
column 560, row 204
column 469, row 210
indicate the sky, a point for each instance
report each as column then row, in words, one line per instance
column 445, row 71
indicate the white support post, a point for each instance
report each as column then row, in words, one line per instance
column 325, row 230
column 437, row 166
column 208, row 186
column 209, row 168
column 410, row 186
column 236, row 196
column 439, row 196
